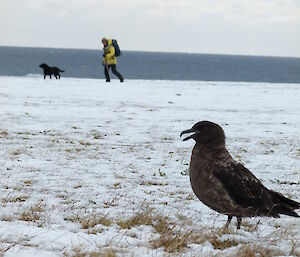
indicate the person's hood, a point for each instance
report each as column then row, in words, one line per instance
column 109, row 41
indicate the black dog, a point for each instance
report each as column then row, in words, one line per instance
column 51, row 70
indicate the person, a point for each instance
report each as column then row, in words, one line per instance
column 110, row 60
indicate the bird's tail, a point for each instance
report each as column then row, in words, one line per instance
column 61, row 70
column 284, row 205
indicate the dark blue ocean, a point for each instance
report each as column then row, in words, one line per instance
column 82, row 63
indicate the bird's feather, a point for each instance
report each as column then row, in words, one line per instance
column 245, row 189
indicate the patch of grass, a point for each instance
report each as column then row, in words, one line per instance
column 175, row 238
column 249, row 226
column 153, row 183
column 3, row 134
column 16, row 152
column 33, row 213
column 90, row 221
column 84, row 143
column 141, row 218
column 221, row 245
column 172, row 242
column 15, row 199
column 28, row 182
column 171, row 239
column 26, row 133
column 6, row 218
column 258, row 251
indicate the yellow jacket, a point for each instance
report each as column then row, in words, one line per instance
column 109, row 54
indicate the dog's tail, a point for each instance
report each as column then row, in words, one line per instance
column 61, row 70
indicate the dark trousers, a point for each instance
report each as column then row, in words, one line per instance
column 114, row 70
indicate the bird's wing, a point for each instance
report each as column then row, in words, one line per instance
column 243, row 187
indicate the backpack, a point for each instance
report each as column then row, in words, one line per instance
column 116, row 46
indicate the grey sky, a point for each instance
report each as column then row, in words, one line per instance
column 255, row 27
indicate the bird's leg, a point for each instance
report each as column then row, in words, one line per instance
column 228, row 221
column 239, row 220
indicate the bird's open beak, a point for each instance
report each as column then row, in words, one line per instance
column 186, row 132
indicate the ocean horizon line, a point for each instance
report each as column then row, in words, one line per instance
column 153, row 51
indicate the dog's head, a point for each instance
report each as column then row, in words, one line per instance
column 43, row 65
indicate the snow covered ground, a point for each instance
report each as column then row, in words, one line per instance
column 96, row 169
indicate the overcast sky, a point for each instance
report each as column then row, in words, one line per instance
column 251, row 27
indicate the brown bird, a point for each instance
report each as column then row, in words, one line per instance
column 225, row 185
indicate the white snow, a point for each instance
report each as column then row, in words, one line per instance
column 81, row 149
